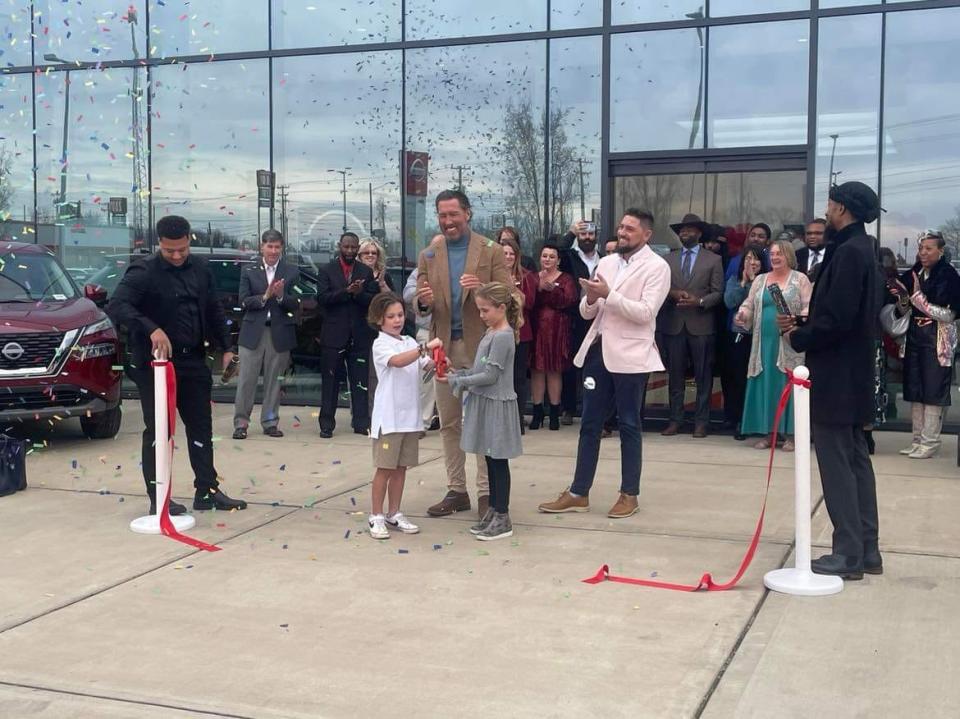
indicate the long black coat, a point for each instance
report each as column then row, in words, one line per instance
column 841, row 333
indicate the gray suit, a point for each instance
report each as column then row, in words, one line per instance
column 689, row 333
column 265, row 343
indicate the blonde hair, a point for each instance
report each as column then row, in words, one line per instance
column 789, row 254
column 381, row 260
column 499, row 294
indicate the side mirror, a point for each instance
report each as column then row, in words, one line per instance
column 96, row 294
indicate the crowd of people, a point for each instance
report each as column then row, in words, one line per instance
column 576, row 327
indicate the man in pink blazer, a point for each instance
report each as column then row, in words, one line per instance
column 617, row 356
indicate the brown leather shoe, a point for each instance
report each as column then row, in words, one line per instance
column 483, row 504
column 625, row 507
column 566, row 502
column 699, row 430
column 671, row 429
column 452, row 502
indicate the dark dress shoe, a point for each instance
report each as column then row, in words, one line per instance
column 326, row 433
column 272, row 432
column 739, row 436
column 452, row 502
column 434, row 425
column 671, row 429
column 175, row 508
column 240, row 433
column 364, row 432
column 699, row 430
column 566, row 419
column 216, row 500
column 838, row 565
column 872, row 563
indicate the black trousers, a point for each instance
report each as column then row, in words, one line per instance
column 193, row 404
column 681, row 349
column 358, row 374
column 498, row 471
column 521, row 364
column 733, row 375
column 849, row 487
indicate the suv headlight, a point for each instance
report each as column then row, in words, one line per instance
column 104, row 325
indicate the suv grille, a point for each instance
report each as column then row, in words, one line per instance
column 39, row 349
column 39, row 397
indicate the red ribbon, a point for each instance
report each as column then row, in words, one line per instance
column 706, row 581
column 166, row 524
column 440, row 361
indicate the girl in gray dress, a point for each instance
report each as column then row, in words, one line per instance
column 491, row 426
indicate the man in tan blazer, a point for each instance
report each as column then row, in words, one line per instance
column 454, row 265
column 688, row 322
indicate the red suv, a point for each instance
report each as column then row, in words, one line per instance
column 59, row 353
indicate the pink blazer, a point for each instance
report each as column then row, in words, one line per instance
column 628, row 314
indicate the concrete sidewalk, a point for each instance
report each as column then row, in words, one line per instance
column 303, row 615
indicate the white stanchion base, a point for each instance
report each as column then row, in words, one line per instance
column 802, row 583
column 150, row 524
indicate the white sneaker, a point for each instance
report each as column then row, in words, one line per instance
column 911, row 449
column 398, row 521
column 923, row 452
column 378, row 527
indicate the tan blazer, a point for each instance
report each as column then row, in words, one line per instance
column 485, row 260
column 628, row 315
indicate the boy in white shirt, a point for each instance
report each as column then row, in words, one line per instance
column 395, row 423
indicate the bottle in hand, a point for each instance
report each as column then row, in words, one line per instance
column 231, row 370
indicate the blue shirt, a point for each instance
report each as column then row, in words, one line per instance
column 456, row 261
column 695, row 250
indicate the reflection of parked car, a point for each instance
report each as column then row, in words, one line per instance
column 227, row 265
column 80, row 274
column 58, row 350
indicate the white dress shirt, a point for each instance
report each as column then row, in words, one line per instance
column 814, row 258
column 271, row 271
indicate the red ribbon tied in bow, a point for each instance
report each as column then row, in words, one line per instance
column 706, row 582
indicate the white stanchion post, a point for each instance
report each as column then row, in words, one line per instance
column 800, row 580
column 150, row 524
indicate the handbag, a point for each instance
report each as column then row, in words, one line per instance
column 13, row 465
column 892, row 324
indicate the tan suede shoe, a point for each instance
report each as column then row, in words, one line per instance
column 566, row 502
column 625, row 507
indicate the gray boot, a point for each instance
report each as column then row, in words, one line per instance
column 916, row 414
column 500, row 527
column 930, row 436
column 487, row 518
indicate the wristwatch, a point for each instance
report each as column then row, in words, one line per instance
column 701, row 302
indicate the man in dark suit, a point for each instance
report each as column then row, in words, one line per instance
column 345, row 288
column 810, row 258
column 687, row 322
column 839, row 339
column 168, row 303
column 580, row 260
column 267, row 334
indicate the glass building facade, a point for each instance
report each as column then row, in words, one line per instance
column 114, row 113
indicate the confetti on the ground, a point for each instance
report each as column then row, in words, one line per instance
column 284, row 626
column 283, row 467
column 437, row 547
column 483, row 553
column 284, row 546
column 353, row 501
column 403, row 551
column 337, row 461
column 73, row 464
column 346, row 534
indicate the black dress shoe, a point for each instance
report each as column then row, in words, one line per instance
column 272, row 432
column 838, row 565
column 175, row 508
column 216, row 500
column 364, row 432
column 739, row 437
column 434, row 425
column 240, row 433
column 326, row 433
column 872, row 563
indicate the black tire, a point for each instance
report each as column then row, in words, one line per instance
column 103, row 425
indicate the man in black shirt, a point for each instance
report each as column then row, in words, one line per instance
column 169, row 306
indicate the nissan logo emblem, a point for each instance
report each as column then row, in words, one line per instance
column 12, row 351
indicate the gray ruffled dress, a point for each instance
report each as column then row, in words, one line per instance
column 491, row 425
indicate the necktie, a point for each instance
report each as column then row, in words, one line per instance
column 685, row 267
column 814, row 259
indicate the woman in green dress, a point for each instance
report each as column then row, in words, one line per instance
column 770, row 357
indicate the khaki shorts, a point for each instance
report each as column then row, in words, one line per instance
column 398, row 449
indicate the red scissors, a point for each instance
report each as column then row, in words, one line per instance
column 440, row 361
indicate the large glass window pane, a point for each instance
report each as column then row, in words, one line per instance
column 210, row 135
column 91, row 162
column 847, row 3
column 847, row 111
column 484, row 128
column 725, row 8
column 464, row 18
column 575, row 100
column 206, row 28
column 626, row 13
column 309, row 23
column 89, row 31
column 921, row 134
column 656, row 90
column 338, row 113
column 16, row 157
column 16, row 33
column 566, row 14
column 757, row 92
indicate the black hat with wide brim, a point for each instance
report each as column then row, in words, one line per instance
column 691, row 220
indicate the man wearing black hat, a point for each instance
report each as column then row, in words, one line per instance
column 838, row 339
column 687, row 322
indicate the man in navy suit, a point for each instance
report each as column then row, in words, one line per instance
column 267, row 334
